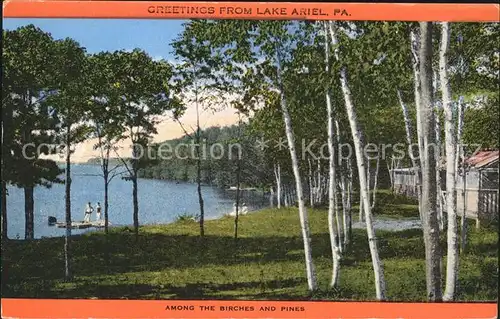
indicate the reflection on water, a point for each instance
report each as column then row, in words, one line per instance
column 160, row 202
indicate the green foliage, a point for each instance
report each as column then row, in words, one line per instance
column 267, row 263
column 219, row 163
column 49, row 86
column 474, row 54
column 481, row 125
column 187, row 217
column 30, row 73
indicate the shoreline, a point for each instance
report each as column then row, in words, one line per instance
column 92, row 230
column 269, row 254
column 380, row 224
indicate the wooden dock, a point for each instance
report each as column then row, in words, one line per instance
column 82, row 224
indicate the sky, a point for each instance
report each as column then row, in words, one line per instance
column 153, row 36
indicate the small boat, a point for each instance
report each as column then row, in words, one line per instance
column 52, row 220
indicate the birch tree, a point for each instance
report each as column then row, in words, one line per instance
column 311, row 277
column 375, row 181
column 452, row 260
column 360, row 159
column 332, row 186
column 415, row 44
column 427, row 135
column 345, row 180
column 409, row 137
column 277, row 175
column 460, row 157
column 259, row 76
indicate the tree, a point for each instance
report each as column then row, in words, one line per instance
column 427, row 135
column 106, row 118
column 450, row 139
column 481, row 124
column 68, row 104
column 6, row 140
column 192, row 75
column 415, row 44
column 295, row 165
column 238, row 179
column 260, row 77
column 145, row 95
column 29, row 80
column 360, row 159
column 335, row 241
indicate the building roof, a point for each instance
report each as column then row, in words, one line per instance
column 483, row 158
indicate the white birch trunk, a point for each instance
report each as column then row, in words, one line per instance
column 277, row 174
column 463, row 220
column 461, row 157
column 324, row 189
column 318, row 186
column 349, row 199
column 390, row 169
column 361, row 210
column 452, row 260
column 285, row 195
column 338, row 223
column 345, row 215
column 368, row 177
column 459, row 134
column 377, row 167
column 332, row 205
column 415, row 47
column 311, row 184
column 304, row 220
column 271, row 198
column 415, row 162
column 356, row 134
column 343, row 186
column 438, row 153
column 429, row 201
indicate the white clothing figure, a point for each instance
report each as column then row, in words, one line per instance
column 98, row 211
column 88, row 212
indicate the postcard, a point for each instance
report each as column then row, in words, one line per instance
column 249, row 160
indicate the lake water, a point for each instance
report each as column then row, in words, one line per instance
column 159, row 202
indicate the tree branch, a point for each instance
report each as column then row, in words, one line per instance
column 123, row 162
column 114, row 175
column 182, row 126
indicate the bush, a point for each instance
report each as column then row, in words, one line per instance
column 188, row 217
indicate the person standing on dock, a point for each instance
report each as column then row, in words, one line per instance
column 98, row 211
column 88, row 212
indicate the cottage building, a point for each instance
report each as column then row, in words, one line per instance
column 479, row 188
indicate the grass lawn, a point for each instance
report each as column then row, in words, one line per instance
column 267, row 261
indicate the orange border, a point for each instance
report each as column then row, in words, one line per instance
column 332, row 11
column 59, row 308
